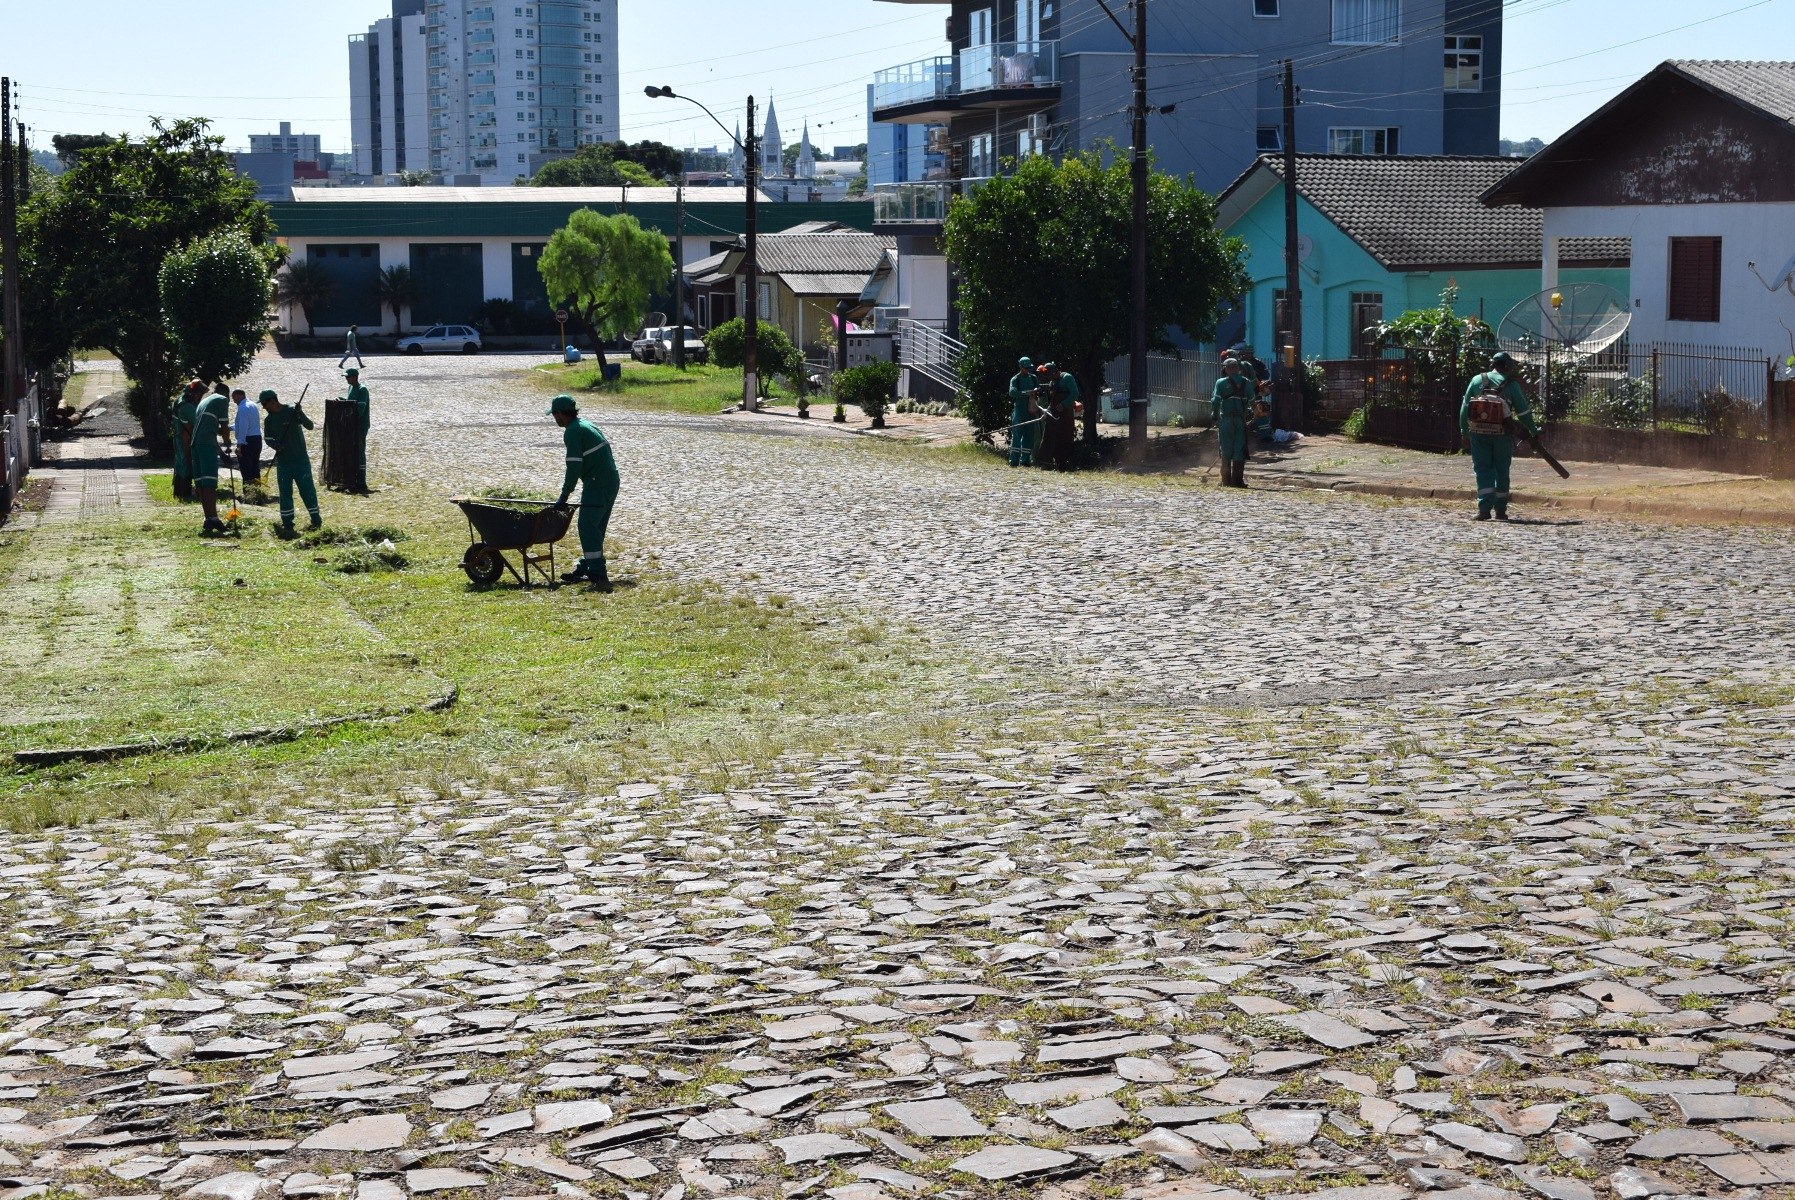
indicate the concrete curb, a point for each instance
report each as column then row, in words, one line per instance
column 1600, row 504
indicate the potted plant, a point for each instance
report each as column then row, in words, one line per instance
column 871, row 387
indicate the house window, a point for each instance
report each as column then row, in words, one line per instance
column 1265, row 8
column 1464, row 64
column 1694, row 279
column 1270, row 139
column 1363, row 141
column 1366, row 22
column 1367, row 312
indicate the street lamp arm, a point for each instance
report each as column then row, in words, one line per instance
column 657, row 93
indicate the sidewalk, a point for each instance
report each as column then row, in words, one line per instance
column 96, row 467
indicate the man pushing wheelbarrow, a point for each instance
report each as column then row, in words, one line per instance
column 591, row 465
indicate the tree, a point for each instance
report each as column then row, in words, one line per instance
column 593, row 165
column 307, row 284
column 215, row 296
column 398, row 291
column 660, row 160
column 70, row 145
column 605, row 269
column 774, row 352
column 1043, row 261
column 417, row 178
column 788, row 158
column 857, row 186
column 95, row 245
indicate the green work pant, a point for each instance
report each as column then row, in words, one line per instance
column 1231, row 432
column 1491, row 455
column 205, row 463
column 297, row 473
column 596, row 501
column 1022, row 441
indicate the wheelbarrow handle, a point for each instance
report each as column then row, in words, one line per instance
column 509, row 500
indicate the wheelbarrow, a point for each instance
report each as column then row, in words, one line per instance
column 498, row 527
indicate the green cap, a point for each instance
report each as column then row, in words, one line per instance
column 267, row 395
column 1026, row 363
column 1502, row 359
column 562, row 404
column 352, row 373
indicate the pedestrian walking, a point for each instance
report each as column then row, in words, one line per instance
column 350, row 348
column 590, row 464
column 247, row 426
column 1025, row 407
column 358, row 396
column 1230, row 405
column 182, row 431
column 283, row 432
column 1062, row 404
column 1492, row 401
column 202, row 454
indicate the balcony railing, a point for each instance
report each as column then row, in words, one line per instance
column 914, row 83
column 1009, row 65
column 912, row 203
column 998, row 66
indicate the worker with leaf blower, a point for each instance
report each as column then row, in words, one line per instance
column 283, row 433
column 590, row 464
column 1493, row 400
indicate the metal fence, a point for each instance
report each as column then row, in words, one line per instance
column 20, row 447
column 1179, row 388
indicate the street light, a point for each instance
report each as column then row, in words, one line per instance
column 751, row 304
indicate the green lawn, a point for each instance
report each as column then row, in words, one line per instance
column 699, row 388
column 135, row 629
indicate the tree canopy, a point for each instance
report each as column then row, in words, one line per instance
column 1043, row 261
column 605, row 269
column 93, row 249
column 215, row 295
column 611, row 164
column 69, row 146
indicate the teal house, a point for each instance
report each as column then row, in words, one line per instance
column 1380, row 235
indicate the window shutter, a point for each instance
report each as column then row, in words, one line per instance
column 1694, row 279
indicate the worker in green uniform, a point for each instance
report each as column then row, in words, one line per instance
column 358, row 396
column 202, row 454
column 1492, row 400
column 182, row 433
column 1230, row 405
column 282, row 433
column 591, row 465
column 1062, row 396
column 1025, row 407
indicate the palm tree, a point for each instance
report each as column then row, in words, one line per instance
column 398, row 290
column 307, row 284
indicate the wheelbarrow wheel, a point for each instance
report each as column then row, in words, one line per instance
column 483, row 564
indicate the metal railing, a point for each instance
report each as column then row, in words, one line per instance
column 928, row 350
column 20, row 447
column 1009, row 65
column 913, row 82
column 1177, row 388
column 912, row 203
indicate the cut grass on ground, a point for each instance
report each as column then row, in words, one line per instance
column 700, row 388
column 144, row 633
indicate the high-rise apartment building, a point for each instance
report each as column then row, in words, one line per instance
column 306, row 147
column 512, row 86
column 388, row 122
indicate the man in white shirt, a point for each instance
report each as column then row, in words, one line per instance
column 248, row 428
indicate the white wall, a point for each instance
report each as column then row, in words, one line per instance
column 922, row 287
column 361, row 127
column 1751, row 316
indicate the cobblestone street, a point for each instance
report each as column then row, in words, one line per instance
column 1320, row 846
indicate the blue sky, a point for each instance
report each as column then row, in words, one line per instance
column 93, row 65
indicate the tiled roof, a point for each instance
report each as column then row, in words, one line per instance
column 1423, row 213
column 804, row 284
column 1766, row 86
column 822, row 253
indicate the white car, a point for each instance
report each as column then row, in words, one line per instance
column 642, row 348
column 442, row 339
column 660, row 350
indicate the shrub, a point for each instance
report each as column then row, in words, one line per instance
column 776, row 354
column 869, row 386
column 1723, row 413
column 1627, row 405
column 1354, row 428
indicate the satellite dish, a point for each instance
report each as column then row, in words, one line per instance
column 1305, row 246
column 1577, row 320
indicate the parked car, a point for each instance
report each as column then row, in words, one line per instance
column 661, row 348
column 642, row 347
column 442, row 339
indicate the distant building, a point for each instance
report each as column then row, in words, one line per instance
column 388, row 113
column 843, row 153
column 305, row 146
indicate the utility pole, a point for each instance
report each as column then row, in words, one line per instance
column 751, row 302
column 679, row 274
column 1138, row 397
column 10, row 169
column 1288, row 398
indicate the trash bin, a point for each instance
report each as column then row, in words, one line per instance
column 612, row 372
column 343, row 468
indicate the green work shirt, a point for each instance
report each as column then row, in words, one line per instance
column 282, row 433
column 358, row 396
column 1510, row 390
column 1065, row 394
column 1232, row 399
column 589, row 458
column 185, row 408
column 1022, row 390
column 208, row 418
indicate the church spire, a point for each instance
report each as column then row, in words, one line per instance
column 806, row 156
column 772, row 149
column 738, row 165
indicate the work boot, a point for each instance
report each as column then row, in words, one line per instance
column 317, row 522
column 600, row 578
column 1483, row 514
column 580, row 571
column 1502, row 514
column 286, row 532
